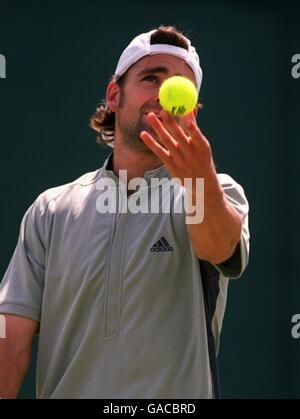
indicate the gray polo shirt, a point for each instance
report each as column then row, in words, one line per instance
column 126, row 309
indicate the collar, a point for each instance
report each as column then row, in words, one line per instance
column 158, row 172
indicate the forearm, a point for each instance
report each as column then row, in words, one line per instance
column 216, row 237
column 13, row 366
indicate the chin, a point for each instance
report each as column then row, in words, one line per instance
column 139, row 147
column 143, row 149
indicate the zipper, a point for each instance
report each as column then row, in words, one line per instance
column 114, row 285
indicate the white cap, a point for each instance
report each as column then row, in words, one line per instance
column 140, row 46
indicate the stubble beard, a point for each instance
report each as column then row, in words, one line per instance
column 131, row 136
column 130, row 132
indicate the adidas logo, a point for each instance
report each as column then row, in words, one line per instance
column 161, row 246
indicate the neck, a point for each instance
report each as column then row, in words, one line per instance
column 135, row 163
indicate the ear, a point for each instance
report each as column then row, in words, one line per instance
column 112, row 96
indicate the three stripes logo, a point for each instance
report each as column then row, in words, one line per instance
column 161, row 246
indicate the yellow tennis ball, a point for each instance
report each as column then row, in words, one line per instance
column 178, row 95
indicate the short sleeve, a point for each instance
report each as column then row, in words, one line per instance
column 235, row 266
column 21, row 289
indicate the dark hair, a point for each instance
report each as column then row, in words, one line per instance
column 103, row 120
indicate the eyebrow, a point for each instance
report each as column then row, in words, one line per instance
column 158, row 69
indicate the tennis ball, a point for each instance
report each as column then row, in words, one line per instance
column 178, row 95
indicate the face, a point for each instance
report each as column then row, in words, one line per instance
column 139, row 95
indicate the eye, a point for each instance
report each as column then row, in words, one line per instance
column 151, row 78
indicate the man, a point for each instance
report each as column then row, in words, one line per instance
column 128, row 305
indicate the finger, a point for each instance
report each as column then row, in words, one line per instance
column 154, row 146
column 199, row 140
column 190, row 126
column 172, row 124
column 188, row 119
column 163, row 134
column 194, row 131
